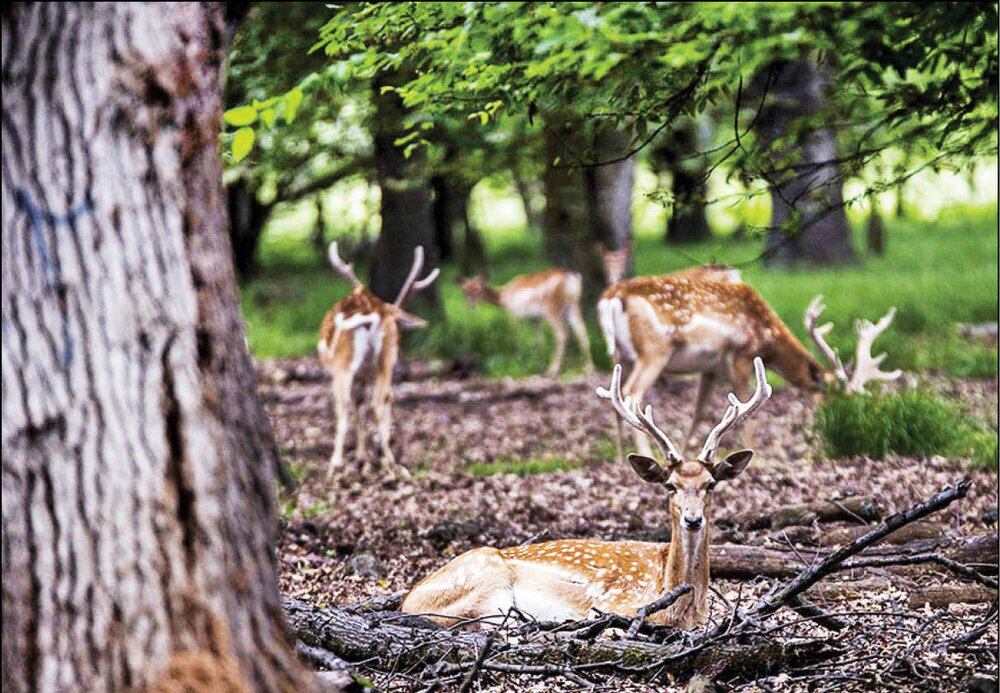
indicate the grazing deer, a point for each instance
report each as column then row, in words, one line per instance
column 615, row 264
column 552, row 295
column 359, row 336
column 687, row 325
column 570, row 579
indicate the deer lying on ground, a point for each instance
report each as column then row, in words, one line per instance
column 570, row 579
column 360, row 338
column 552, row 295
column 680, row 324
column 615, row 265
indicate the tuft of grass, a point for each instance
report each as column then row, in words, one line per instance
column 910, row 423
column 548, row 465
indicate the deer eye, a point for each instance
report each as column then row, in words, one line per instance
column 671, row 488
column 710, row 486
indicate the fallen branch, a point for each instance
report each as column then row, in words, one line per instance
column 776, row 598
column 855, row 508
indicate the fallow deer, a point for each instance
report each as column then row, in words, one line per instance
column 552, row 295
column 360, row 338
column 569, row 579
column 680, row 324
column 615, row 264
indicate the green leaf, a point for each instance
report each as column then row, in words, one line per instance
column 242, row 143
column 292, row 100
column 240, row 116
column 268, row 116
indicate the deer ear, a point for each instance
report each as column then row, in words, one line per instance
column 648, row 469
column 732, row 466
column 409, row 321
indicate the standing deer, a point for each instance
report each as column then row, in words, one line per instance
column 682, row 324
column 552, row 295
column 570, row 579
column 615, row 264
column 360, row 337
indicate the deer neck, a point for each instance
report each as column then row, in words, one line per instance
column 491, row 295
column 787, row 356
column 687, row 561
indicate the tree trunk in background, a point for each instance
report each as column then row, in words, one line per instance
column 609, row 190
column 808, row 223
column 247, row 218
column 407, row 202
column 138, row 525
column 444, row 215
column 569, row 238
column 688, row 221
column 529, row 191
column 875, row 232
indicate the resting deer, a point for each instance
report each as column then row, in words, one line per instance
column 615, row 264
column 680, row 324
column 360, row 337
column 570, row 579
column 552, row 295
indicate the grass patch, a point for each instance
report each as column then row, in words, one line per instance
column 548, row 465
column 910, row 423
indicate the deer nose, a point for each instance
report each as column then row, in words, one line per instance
column 693, row 523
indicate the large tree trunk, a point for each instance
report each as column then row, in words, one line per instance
column 407, row 202
column 808, row 223
column 247, row 217
column 678, row 154
column 569, row 237
column 138, row 528
column 609, row 190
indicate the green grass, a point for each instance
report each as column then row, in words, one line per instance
column 547, row 465
column 910, row 423
column 937, row 274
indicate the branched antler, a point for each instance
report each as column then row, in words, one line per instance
column 343, row 269
column 737, row 412
column 819, row 333
column 642, row 420
column 411, row 285
column 866, row 367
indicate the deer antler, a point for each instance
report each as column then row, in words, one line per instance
column 411, row 285
column 343, row 269
column 737, row 412
column 641, row 420
column 818, row 334
column 866, row 367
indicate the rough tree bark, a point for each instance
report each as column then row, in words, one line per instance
column 688, row 221
column 138, row 528
column 808, row 224
column 407, row 202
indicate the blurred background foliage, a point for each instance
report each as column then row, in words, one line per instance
column 847, row 149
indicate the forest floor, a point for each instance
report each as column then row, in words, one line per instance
column 354, row 536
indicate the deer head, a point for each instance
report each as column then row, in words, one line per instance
column 614, row 262
column 410, row 287
column 852, row 378
column 476, row 290
column 689, row 484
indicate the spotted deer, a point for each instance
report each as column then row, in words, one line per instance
column 570, row 579
column 552, row 295
column 359, row 338
column 681, row 324
column 615, row 264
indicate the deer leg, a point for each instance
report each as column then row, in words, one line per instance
column 639, row 381
column 705, row 384
column 360, row 430
column 579, row 328
column 560, row 333
column 342, row 402
column 382, row 404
